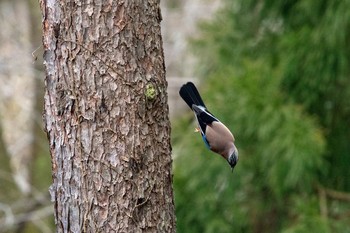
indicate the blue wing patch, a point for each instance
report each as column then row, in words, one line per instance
column 205, row 141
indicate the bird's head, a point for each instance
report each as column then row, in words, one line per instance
column 233, row 158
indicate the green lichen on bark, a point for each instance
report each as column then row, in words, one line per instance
column 151, row 92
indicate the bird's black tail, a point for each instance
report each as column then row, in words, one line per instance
column 190, row 95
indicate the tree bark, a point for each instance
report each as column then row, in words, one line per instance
column 106, row 116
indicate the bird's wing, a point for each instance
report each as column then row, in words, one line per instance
column 205, row 141
column 203, row 114
column 204, row 118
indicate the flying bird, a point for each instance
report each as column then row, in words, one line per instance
column 216, row 136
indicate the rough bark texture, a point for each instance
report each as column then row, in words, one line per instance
column 106, row 116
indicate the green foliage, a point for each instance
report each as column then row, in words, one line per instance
column 307, row 217
column 276, row 73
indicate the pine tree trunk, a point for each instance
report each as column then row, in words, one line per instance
column 106, row 116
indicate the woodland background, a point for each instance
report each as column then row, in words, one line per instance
column 277, row 73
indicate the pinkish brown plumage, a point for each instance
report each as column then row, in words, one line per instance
column 215, row 134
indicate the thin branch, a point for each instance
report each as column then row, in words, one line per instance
column 323, row 203
column 334, row 194
column 26, row 217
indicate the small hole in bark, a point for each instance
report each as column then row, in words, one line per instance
column 140, row 200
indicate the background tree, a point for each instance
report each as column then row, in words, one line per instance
column 24, row 164
column 17, row 90
column 106, row 116
column 277, row 73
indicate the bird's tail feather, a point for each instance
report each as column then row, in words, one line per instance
column 190, row 94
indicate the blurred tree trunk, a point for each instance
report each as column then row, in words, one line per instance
column 106, row 116
column 17, row 89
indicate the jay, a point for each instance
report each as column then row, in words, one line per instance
column 215, row 134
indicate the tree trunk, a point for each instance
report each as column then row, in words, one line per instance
column 106, row 116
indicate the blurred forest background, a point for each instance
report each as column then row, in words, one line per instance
column 277, row 73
